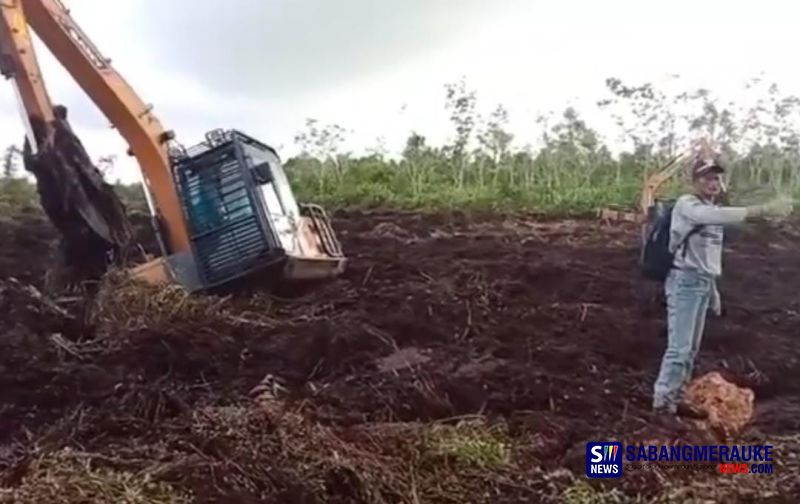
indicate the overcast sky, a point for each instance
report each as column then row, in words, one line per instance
column 378, row 67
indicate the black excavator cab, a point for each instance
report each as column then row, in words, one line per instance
column 243, row 217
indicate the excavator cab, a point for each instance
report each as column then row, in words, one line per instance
column 243, row 219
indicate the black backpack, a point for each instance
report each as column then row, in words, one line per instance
column 656, row 259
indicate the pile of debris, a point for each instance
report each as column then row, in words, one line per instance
column 94, row 229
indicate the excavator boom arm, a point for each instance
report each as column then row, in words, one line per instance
column 19, row 63
column 117, row 100
column 701, row 147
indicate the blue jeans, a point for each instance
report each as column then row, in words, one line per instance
column 688, row 295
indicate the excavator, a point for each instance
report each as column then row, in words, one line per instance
column 655, row 180
column 651, row 205
column 222, row 210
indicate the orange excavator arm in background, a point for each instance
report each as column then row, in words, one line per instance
column 654, row 181
column 146, row 137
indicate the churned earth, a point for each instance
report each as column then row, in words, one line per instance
column 461, row 358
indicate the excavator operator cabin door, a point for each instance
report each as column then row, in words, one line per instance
column 280, row 206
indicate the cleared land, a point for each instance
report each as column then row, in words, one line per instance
column 462, row 358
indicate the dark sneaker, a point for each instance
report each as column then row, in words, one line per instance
column 662, row 411
column 665, row 418
column 689, row 410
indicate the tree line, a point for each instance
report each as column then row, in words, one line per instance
column 572, row 168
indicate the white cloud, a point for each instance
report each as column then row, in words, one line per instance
column 379, row 68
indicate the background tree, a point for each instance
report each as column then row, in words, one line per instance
column 11, row 157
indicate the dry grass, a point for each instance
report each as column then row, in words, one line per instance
column 67, row 477
column 124, row 305
column 582, row 492
column 471, row 443
column 268, row 450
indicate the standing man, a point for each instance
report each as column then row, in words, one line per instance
column 696, row 239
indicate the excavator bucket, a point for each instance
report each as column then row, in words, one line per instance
column 84, row 209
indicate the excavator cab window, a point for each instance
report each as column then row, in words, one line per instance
column 215, row 197
column 262, row 173
column 279, row 204
column 204, row 213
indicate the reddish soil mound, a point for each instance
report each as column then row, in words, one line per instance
column 544, row 326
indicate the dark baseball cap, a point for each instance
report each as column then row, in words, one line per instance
column 703, row 167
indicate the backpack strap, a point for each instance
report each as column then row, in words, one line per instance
column 685, row 242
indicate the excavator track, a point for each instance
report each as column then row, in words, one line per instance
column 91, row 219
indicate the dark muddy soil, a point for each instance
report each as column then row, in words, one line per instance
column 544, row 326
column 26, row 240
